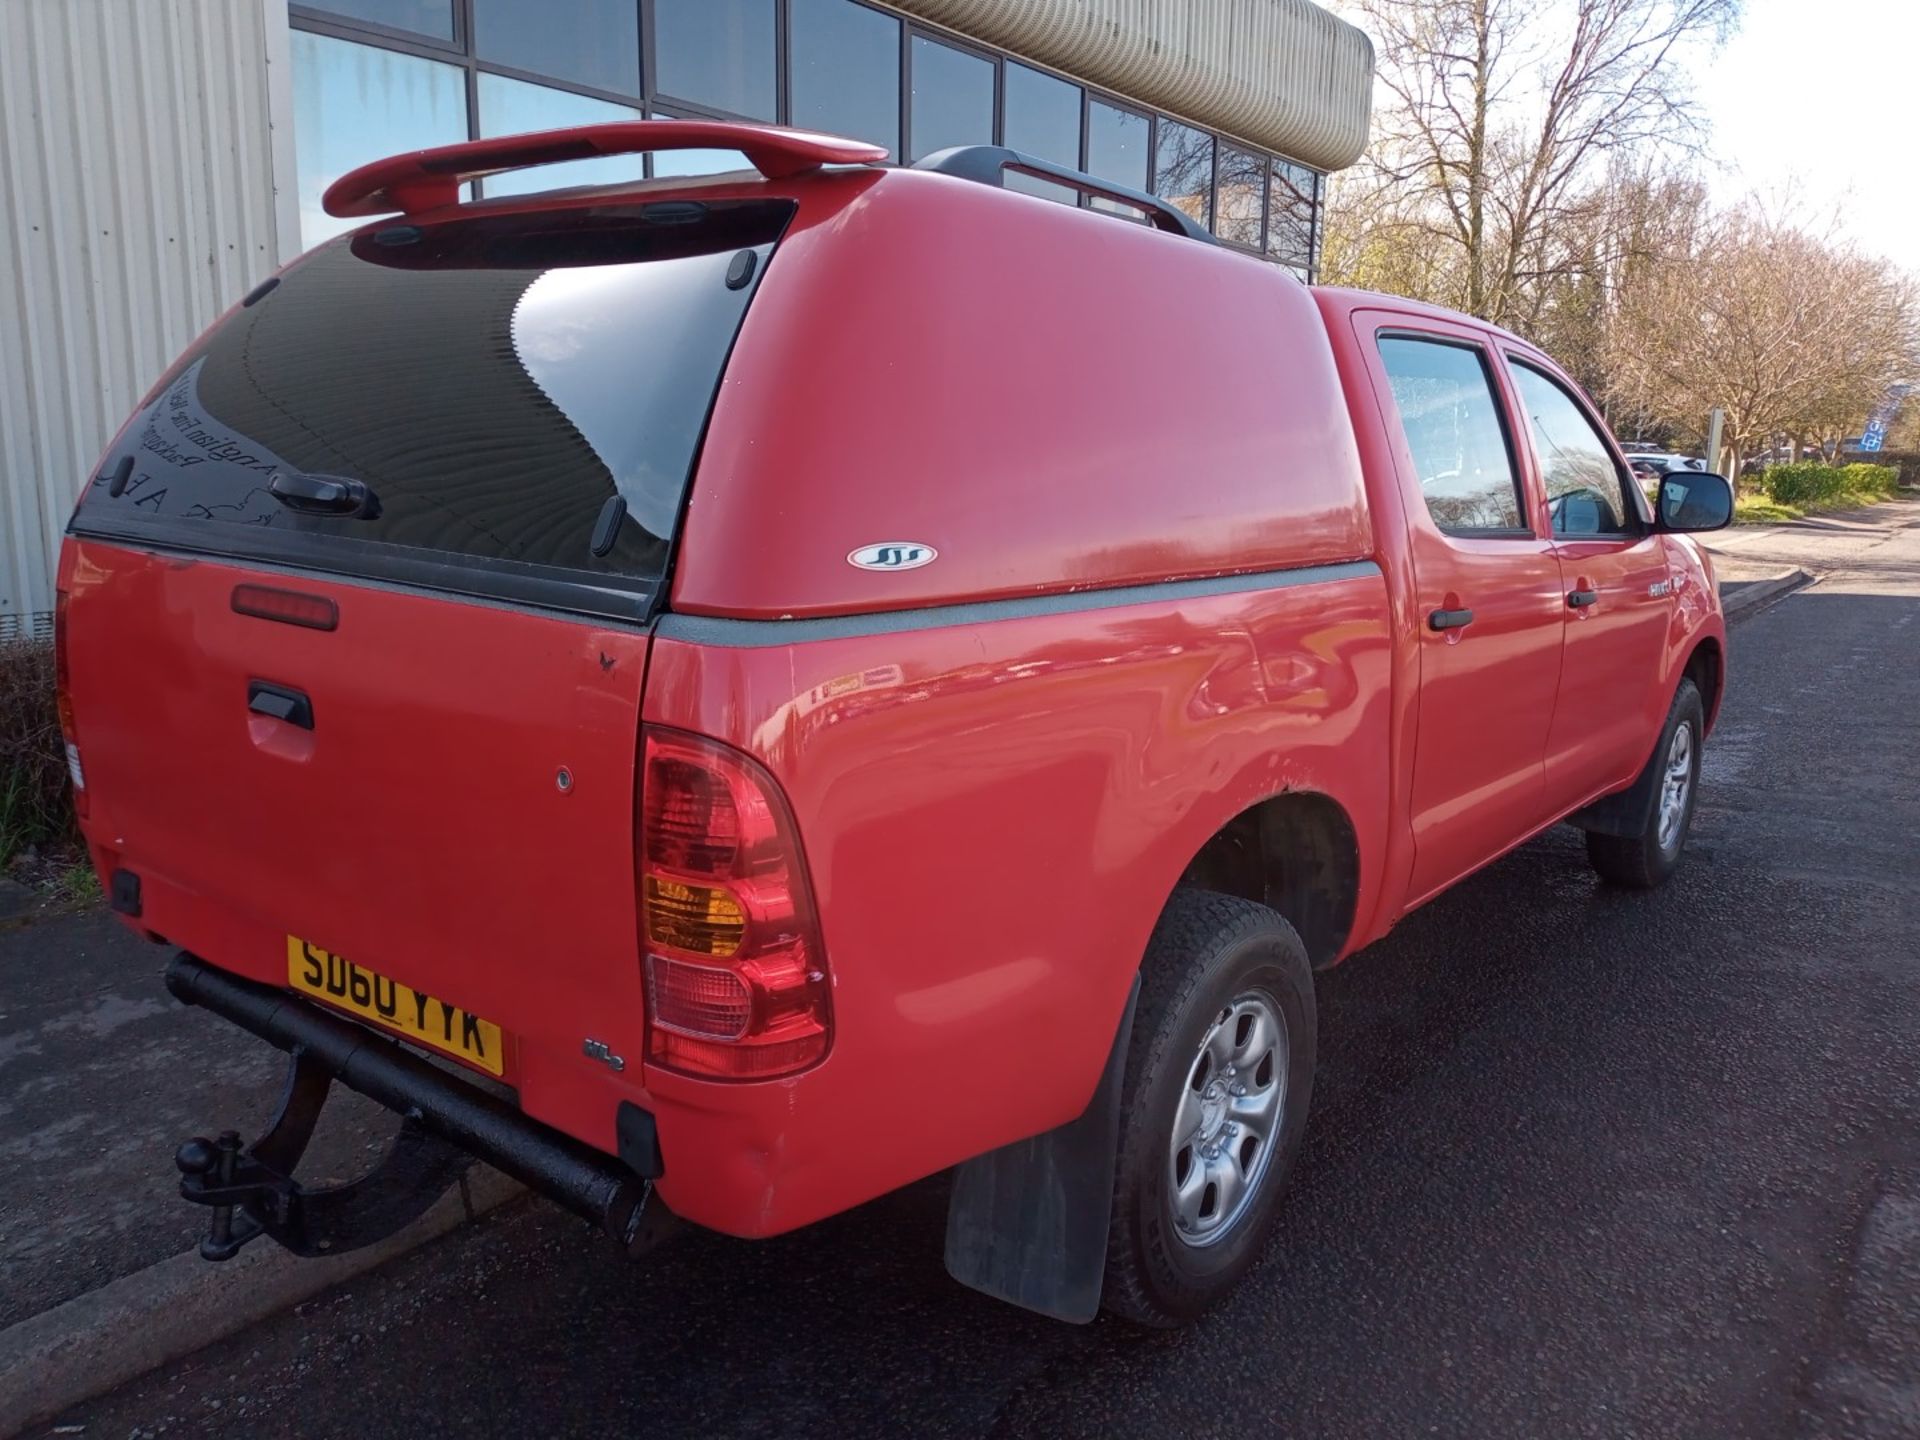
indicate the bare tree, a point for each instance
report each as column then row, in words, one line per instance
column 1500, row 114
column 1791, row 333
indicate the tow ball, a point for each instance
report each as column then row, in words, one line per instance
column 445, row 1125
column 252, row 1191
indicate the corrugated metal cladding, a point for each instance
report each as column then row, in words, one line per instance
column 1285, row 74
column 136, row 203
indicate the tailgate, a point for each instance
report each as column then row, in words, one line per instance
column 471, row 439
column 421, row 828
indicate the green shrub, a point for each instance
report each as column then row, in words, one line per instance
column 1875, row 480
column 1805, row 482
column 33, row 765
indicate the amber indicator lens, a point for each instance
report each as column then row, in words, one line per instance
column 289, row 607
column 736, row 973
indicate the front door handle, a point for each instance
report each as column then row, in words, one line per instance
column 279, row 702
column 1580, row 599
column 1449, row 619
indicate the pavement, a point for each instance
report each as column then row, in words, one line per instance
column 1607, row 1165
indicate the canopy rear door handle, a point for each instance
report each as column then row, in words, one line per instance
column 1580, row 599
column 324, row 495
column 278, row 702
column 1449, row 619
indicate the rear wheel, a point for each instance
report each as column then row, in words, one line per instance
column 1643, row 861
column 1219, row 1076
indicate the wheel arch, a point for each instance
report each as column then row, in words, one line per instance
column 1296, row 851
column 1706, row 667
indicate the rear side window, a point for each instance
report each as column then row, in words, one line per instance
column 1584, row 490
column 1454, row 432
column 469, row 394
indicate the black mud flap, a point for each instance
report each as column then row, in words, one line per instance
column 446, row 1124
column 1626, row 812
column 1028, row 1222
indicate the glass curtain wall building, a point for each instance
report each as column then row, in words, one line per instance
column 374, row 77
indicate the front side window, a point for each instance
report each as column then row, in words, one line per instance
column 1585, row 495
column 1454, row 432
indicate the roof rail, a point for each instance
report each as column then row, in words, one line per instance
column 988, row 164
column 428, row 179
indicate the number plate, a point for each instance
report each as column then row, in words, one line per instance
column 393, row 1006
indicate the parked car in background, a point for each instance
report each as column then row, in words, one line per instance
column 1659, row 462
column 663, row 653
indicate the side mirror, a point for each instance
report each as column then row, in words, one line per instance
column 1694, row 500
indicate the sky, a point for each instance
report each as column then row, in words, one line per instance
column 1815, row 108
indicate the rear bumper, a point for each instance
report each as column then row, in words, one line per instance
column 586, row 1181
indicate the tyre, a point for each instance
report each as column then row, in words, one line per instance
column 1643, row 861
column 1219, row 1076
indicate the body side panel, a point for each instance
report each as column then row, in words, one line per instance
column 993, row 816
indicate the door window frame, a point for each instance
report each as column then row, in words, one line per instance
column 1639, row 511
column 1500, row 387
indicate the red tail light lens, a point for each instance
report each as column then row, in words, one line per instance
column 63, row 705
column 737, row 984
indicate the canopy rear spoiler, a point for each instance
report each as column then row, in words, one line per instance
column 428, row 179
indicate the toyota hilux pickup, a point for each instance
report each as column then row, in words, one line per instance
column 724, row 697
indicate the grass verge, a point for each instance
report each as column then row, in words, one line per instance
column 1752, row 509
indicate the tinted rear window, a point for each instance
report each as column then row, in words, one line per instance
column 492, row 382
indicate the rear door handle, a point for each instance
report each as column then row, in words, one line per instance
column 1449, row 619
column 278, row 702
column 324, row 494
column 1580, row 599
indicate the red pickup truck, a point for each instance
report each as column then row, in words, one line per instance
column 725, row 697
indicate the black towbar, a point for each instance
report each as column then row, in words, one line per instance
column 446, row 1125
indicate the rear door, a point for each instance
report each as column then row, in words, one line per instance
column 1618, row 595
column 357, row 607
column 1489, row 597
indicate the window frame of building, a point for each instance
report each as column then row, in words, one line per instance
column 996, row 110
column 1222, row 144
column 902, row 99
column 651, row 101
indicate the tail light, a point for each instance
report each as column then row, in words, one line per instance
column 63, row 704
column 737, row 985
